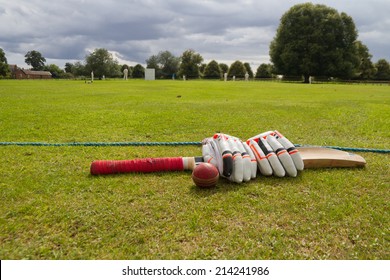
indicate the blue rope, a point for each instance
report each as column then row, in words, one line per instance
column 101, row 144
column 125, row 144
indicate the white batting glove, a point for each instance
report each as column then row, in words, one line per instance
column 233, row 158
column 275, row 154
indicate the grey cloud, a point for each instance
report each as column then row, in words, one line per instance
column 136, row 29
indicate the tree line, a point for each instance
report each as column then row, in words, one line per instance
column 311, row 41
column 189, row 64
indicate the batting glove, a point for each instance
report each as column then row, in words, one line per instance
column 275, row 154
column 233, row 158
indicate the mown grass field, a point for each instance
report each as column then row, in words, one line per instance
column 51, row 208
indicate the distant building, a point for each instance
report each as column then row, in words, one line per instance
column 20, row 73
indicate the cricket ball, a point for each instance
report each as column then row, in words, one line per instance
column 205, row 175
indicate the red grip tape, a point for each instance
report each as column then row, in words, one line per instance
column 145, row 165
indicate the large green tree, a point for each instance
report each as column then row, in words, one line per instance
column 138, row 71
column 78, row 69
column 315, row 40
column 264, row 71
column 4, row 69
column 190, row 63
column 35, row 60
column 224, row 68
column 382, row 70
column 212, row 70
column 169, row 64
column 153, row 62
column 55, row 70
column 164, row 63
column 366, row 69
column 68, row 67
column 101, row 62
column 248, row 69
column 237, row 69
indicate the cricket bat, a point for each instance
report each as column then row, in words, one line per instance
column 313, row 157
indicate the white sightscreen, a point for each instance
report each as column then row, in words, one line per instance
column 150, row 74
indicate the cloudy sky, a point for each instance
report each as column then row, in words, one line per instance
column 133, row 30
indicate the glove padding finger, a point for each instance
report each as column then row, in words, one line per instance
column 238, row 171
column 253, row 163
column 262, row 162
column 226, row 168
column 208, row 152
column 211, row 153
column 273, row 142
column 283, row 156
column 291, row 149
column 243, row 171
column 274, row 161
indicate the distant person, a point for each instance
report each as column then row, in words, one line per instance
column 125, row 73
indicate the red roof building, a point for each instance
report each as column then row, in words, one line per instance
column 20, row 73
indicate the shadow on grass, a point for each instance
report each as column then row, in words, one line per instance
column 303, row 178
column 225, row 186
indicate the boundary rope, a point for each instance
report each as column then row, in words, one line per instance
column 125, row 144
column 101, row 144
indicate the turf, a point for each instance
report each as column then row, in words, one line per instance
column 53, row 209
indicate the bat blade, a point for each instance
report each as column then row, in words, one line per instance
column 318, row 157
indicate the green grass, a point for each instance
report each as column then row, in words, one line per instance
column 53, row 209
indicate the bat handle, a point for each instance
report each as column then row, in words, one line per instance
column 144, row 165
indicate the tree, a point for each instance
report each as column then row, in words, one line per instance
column 68, row 67
column 190, row 63
column 169, row 64
column 366, row 69
column 4, row 69
column 164, row 63
column 237, row 69
column 138, row 71
column 248, row 69
column 35, row 60
column 202, row 67
column 224, row 68
column 383, row 70
column 55, row 71
column 315, row 40
column 264, row 71
column 101, row 62
column 212, row 70
column 153, row 62
column 131, row 68
column 78, row 69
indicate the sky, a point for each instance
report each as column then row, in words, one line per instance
column 133, row 30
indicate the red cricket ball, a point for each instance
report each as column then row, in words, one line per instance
column 205, row 175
